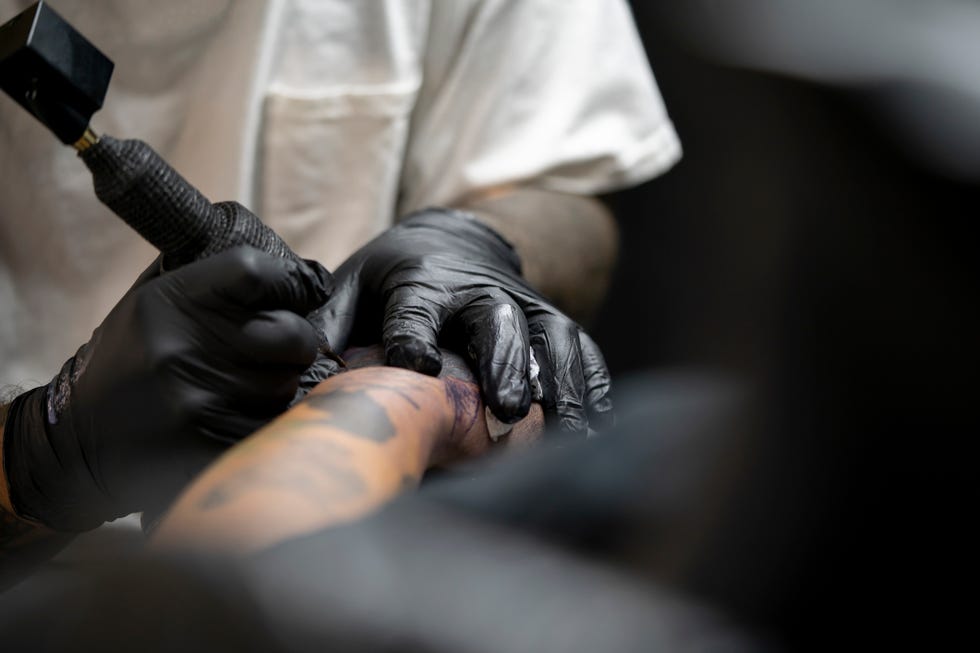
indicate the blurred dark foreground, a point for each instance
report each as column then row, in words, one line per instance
column 569, row 548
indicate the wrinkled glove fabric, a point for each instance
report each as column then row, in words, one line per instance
column 441, row 276
column 186, row 363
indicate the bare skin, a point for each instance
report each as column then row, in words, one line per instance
column 567, row 243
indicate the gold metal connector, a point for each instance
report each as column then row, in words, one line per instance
column 88, row 139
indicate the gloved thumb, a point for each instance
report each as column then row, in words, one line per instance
column 335, row 318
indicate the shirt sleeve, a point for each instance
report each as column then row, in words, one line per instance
column 556, row 94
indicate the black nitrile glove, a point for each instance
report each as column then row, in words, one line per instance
column 133, row 180
column 444, row 273
column 185, row 363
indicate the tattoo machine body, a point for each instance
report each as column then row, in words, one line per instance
column 59, row 77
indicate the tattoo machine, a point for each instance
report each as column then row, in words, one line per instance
column 60, row 78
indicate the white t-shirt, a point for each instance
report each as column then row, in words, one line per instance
column 328, row 118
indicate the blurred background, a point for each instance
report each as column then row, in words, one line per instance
column 818, row 241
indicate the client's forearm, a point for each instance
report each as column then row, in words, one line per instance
column 355, row 442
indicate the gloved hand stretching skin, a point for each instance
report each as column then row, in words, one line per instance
column 185, row 363
column 443, row 273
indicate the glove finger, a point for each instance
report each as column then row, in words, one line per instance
column 247, row 277
column 322, row 369
column 597, row 384
column 335, row 319
column 412, row 322
column 251, row 389
column 229, row 425
column 277, row 338
column 497, row 342
column 556, row 347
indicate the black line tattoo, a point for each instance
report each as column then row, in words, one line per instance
column 398, row 391
column 466, row 404
column 355, row 412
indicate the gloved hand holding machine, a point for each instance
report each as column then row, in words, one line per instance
column 255, row 300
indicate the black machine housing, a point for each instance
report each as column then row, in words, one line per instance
column 53, row 71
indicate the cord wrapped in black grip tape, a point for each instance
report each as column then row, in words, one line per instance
column 165, row 209
column 142, row 189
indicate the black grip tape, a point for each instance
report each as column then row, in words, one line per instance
column 165, row 209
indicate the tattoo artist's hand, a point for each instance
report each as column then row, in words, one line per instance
column 185, row 363
column 443, row 273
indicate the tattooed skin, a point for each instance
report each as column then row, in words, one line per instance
column 465, row 403
column 322, row 467
column 314, row 469
column 355, row 412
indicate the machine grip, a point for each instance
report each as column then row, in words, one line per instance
column 165, row 209
column 152, row 198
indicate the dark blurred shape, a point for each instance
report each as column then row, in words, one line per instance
column 134, row 604
column 805, row 246
column 564, row 549
column 51, row 70
column 912, row 62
